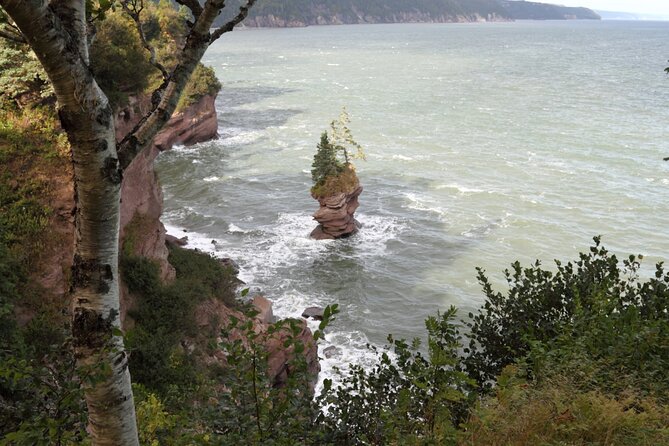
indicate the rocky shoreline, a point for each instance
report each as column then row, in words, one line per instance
column 142, row 199
column 141, row 208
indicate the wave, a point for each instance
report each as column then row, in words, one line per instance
column 462, row 189
column 236, row 136
column 268, row 253
column 424, row 204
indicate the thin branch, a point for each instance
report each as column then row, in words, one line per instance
column 9, row 35
column 243, row 12
column 133, row 11
column 193, row 5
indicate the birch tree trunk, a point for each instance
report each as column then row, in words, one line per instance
column 56, row 31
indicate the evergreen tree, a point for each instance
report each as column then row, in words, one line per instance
column 325, row 163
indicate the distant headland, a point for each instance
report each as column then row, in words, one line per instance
column 297, row 13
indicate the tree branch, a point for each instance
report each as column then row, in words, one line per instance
column 166, row 97
column 133, row 11
column 193, row 5
column 243, row 12
column 17, row 38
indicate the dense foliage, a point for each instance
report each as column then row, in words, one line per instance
column 121, row 63
column 406, row 398
column 332, row 171
column 591, row 308
column 119, row 60
column 164, row 313
column 40, row 396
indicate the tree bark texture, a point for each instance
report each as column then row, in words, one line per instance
column 57, row 35
column 56, row 31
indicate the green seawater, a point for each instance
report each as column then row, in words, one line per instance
column 486, row 143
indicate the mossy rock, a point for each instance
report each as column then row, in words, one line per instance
column 345, row 182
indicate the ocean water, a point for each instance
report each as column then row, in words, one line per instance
column 486, row 143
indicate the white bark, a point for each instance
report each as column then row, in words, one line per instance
column 56, row 31
column 57, row 35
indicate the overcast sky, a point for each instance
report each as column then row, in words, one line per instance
column 660, row 7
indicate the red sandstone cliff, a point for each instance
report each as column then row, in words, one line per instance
column 141, row 207
column 141, row 195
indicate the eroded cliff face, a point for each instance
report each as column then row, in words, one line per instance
column 144, row 235
column 141, row 195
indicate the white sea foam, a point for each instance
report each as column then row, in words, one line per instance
column 461, row 189
column 212, row 179
column 183, row 150
column 235, row 136
column 286, row 244
column 423, row 203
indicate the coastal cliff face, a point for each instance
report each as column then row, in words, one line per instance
column 141, row 194
column 277, row 21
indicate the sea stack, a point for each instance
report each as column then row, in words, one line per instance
column 335, row 184
column 336, row 215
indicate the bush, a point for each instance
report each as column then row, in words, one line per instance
column 119, row 61
column 202, row 83
column 408, row 399
column 164, row 314
column 23, row 81
column 557, row 412
column 594, row 306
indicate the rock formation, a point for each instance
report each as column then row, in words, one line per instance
column 336, row 215
column 140, row 191
column 213, row 315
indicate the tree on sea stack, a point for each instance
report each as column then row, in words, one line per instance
column 336, row 185
column 60, row 33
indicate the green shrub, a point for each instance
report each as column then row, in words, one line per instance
column 252, row 410
column 594, row 306
column 118, row 60
column 23, row 81
column 202, row 83
column 164, row 314
column 408, row 399
column 558, row 412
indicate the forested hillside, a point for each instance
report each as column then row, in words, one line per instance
column 275, row 13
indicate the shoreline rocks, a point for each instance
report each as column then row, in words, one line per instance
column 314, row 313
column 336, row 215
